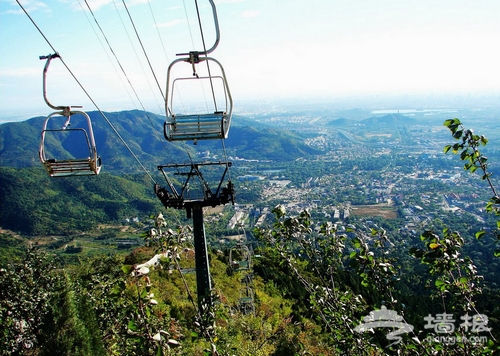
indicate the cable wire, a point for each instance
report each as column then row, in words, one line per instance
column 143, row 49
column 125, row 74
column 88, row 95
column 205, row 51
column 104, row 49
column 137, row 57
column 158, row 31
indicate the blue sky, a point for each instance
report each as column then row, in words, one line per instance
column 271, row 50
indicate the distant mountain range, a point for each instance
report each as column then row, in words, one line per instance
column 143, row 133
column 33, row 203
column 389, row 119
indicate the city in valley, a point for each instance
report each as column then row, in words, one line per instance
column 381, row 164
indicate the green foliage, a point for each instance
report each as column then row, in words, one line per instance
column 33, row 203
column 35, row 300
column 315, row 259
column 26, row 291
column 453, row 274
column 314, row 284
column 468, row 148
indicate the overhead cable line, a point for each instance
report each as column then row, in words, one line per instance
column 205, row 51
column 187, row 20
column 104, row 49
column 143, row 49
column 158, row 31
column 125, row 74
column 137, row 56
column 112, row 51
column 88, row 95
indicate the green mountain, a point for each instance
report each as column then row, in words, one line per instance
column 143, row 134
column 34, row 203
column 141, row 131
column 268, row 143
column 389, row 119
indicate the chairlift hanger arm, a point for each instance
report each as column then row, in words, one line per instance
column 170, row 92
column 66, row 109
column 217, row 35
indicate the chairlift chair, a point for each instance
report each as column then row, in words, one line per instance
column 246, row 300
column 67, row 166
column 240, row 257
column 199, row 126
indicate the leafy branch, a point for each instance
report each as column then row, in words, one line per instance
column 468, row 147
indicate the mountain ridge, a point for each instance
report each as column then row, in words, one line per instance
column 143, row 133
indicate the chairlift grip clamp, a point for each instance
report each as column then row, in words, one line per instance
column 50, row 56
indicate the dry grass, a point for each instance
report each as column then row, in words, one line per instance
column 383, row 210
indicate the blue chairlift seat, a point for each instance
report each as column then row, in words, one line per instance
column 197, row 127
column 203, row 126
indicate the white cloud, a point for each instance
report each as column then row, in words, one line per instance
column 20, row 72
column 172, row 23
column 248, row 14
column 28, row 5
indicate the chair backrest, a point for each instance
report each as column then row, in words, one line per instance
column 80, row 139
column 184, row 119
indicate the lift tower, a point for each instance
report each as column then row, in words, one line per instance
column 194, row 74
column 173, row 198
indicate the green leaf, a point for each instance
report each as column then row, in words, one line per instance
column 439, row 283
column 448, row 122
column 132, row 325
column 497, row 253
column 457, row 134
column 117, row 288
column 480, row 234
column 160, row 351
column 447, row 148
column 463, row 280
column 434, row 245
column 452, row 123
column 127, row 269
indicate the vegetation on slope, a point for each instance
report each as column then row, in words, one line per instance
column 35, row 204
column 314, row 287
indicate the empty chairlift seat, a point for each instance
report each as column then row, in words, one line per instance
column 67, row 148
column 205, row 124
column 197, row 127
column 81, row 140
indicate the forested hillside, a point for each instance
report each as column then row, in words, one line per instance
column 315, row 282
column 35, row 204
column 143, row 133
column 32, row 203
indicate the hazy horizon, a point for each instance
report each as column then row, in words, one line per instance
column 422, row 53
column 375, row 104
